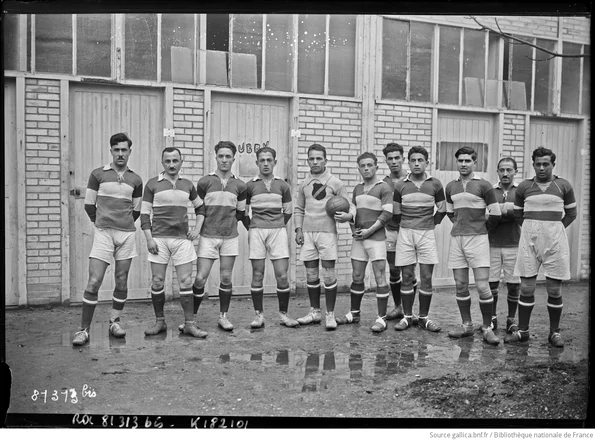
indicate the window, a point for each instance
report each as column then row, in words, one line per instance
column 394, row 59
column 311, row 53
column 53, row 43
column 217, row 47
column 94, row 45
column 177, row 48
column 446, row 160
column 586, row 95
column 473, row 67
column 544, row 77
column 279, row 52
column 246, row 52
column 341, row 77
column 11, row 41
column 448, row 71
column 140, row 46
column 571, row 72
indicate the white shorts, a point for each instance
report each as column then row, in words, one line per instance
column 391, row 239
column 180, row 251
column 469, row 252
column 543, row 243
column 109, row 243
column 214, row 247
column 502, row 260
column 319, row 245
column 368, row 249
column 271, row 240
column 416, row 246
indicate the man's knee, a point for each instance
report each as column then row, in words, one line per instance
column 257, row 277
column 157, row 282
column 225, row 277
column 329, row 276
column 553, row 287
column 186, row 281
column 312, row 274
column 121, row 279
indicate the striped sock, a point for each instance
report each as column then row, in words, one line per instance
column 526, row 304
column 257, row 294
column 357, row 291
column 224, row 297
column 382, row 294
column 494, row 288
column 425, row 299
column 187, row 302
column 407, row 298
column 283, row 298
column 118, row 302
column 89, row 304
column 158, row 300
column 554, row 308
column 330, row 296
column 464, row 304
column 512, row 298
column 395, row 288
column 199, row 294
column 314, row 293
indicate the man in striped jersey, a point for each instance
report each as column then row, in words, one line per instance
column 112, row 202
column 373, row 199
column 316, row 232
column 224, row 198
column 504, row 243
column 466, row 201
column 166, row 197
column 415, row 197
column 268, row 198
column 545, row 206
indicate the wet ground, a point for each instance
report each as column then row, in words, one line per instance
column 303, row 372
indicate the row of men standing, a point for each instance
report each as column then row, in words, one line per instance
column 391, row 219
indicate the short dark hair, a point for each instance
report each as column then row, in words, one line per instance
column 317, row 147
column 392, row 147
column 171, row 150
column 466, row 151
column 266, row 150
column 509, row 159
column 540, row 152
column 226, row 145
column 367, row 155
column 417, row 149
column 118, row 138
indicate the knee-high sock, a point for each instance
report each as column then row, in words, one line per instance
column 199, row 294
column 158, row 300
column 554, row 308
column 187, row 302
column 224, row 297
column 464, row 304
column 118, row 302
column 494, row 288
column 526, row 303
column 407, row 298
column 257, row 294
column 89, row 303
column 357, row 294
column 283, row 298
column 314, row 293
column 486, row 305
column 512, row 298
column 330, row 296
column 425, row 299
column 382, row 293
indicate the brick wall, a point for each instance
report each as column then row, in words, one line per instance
column 585, row 200
column 513, row 141
column 337, row 126
column 577, row 29
column 42, row 174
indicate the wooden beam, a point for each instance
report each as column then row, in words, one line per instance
column 64, row 189
column 21, row 201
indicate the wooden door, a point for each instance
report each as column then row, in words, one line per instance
column 459, row 127
column 11, row 232
column 249, row 122
column 96, row 114
column 561, row 138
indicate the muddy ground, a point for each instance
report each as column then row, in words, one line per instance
column 304, row 372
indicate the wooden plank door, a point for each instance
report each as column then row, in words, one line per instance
column 96, row 113
column 463, row 128
column 248, row 121
column 561, row 138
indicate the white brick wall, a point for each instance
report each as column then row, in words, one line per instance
column 585, row 200
column 42, row 175
column 513, row 140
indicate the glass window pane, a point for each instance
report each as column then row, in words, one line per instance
column 279, row 52
column 544, row 78
column 473, row 67
column 448, row 75
column 53, row 43
column 177, row 48
column 519, row 89
column 12, row 37
column 586, row 82
column 217, row 49
column 140, row 46
column 394, row 59
column 341, row 80
column 571, row 73
column 421, row 61
column 94, row 45
column 246, row 62
column 311, row 53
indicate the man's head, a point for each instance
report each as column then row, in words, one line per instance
column 418, row 160
column 367, row 165
column 266, row 161
column 507, row 168
column 171, row 159
column 394, row 155
column 544, row 161
column 120, row 149
column 466, row 160
column 317, row 159
column 225, row 152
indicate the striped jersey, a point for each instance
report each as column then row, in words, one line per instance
column 313, row 193
column 168, row 203
column 416, row 204
column 111, row 198
column 224, row 204
column 372, row 205
column 270, row 207
column 508, row 232
column 550, row 204
column 392, row 224
column 466, row 203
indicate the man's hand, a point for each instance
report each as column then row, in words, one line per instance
column 342, row 216
column 152, row 246
column 299, row 236
column 361, row 234
column 193, row 235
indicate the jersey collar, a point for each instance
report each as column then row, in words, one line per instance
column 497, row 185
column 161, row 176
column 428, row 177
column 107, row 167
column 256, row 178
